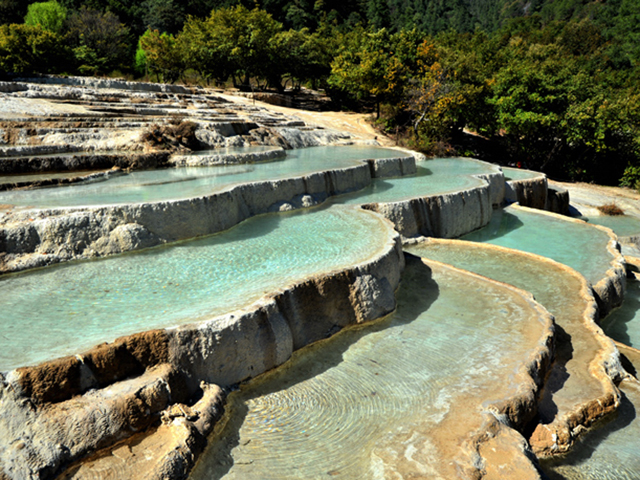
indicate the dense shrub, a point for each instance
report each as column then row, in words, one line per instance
column 31, row 49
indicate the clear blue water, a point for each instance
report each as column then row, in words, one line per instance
column 187, row 182
column 355, row 405
column 439, row 175
column 67, row 308
column 578, row 245
column 622, row 225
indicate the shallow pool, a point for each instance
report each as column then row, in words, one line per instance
column 187, row 182
column 355, row 405
column 64, row 309
column 622, row 225
column 555, row 287
column 576, row 244
column 439, row 175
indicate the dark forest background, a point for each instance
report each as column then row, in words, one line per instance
column 552, row 85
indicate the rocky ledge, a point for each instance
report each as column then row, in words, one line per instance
column 63, row 410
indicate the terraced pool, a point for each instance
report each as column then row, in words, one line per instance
column 178, row 284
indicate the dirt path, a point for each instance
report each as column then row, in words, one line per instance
column 357, row 124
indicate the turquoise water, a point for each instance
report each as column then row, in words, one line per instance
column 578, row 245
column 611, row 451
column 548, row 285
column 357, row 404
column 555, row 288
column 623, row 324
column 68, row 308
column 439, row 175
column 187, row 182
column 519, row 174
column 622, row 225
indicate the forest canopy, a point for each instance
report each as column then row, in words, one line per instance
column 550, row 85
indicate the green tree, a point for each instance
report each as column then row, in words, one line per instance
column 49, row 15
column 560, row 115
column 162, row 55
column 250, row 32
column 299, row 56
column 203, row 46
column 163, row 15
column 99, row 41
column 367, row 66
column 31, row 49
column 233, row 41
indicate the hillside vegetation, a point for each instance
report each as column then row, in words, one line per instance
column 550, row 85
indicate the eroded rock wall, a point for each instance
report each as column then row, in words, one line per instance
column 213, row 158
column 557, row 200
column 79, row 162
column 529, row 192
column 392, row 167
column 448, row 215
column 59, row 411
column 43, row 237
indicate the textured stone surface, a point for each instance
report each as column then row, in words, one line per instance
column 168, row 451
column 59, row 411
column 43, row 237
column 84, row 161
column 528, row 192
column 447, row 216
column 557, row 200
column 226, row 158
column 392, row 167
column 102, row 83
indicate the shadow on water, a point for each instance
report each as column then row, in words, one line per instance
column 574, row 212
column 589, row 443
column 416, row 294
column 501, row 224
column 547, row 409
column 616, row 324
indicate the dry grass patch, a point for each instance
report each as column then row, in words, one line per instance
column 610, row 209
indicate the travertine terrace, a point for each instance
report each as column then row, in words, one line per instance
column 144, row 404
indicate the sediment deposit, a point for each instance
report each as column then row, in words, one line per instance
column 130, row 382
column 581, row 384
column 143, row 405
